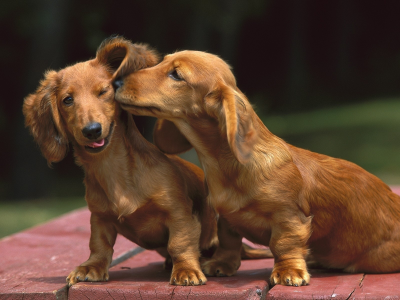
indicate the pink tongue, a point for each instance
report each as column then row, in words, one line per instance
column 97, row 144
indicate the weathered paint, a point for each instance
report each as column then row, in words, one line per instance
column 143, row 277
column 36, row 262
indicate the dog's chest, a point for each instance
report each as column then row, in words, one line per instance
column 226, row 199
column 148, row 230
column 253, row 225
column 244, row 215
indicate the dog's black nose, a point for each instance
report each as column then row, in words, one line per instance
column 92, row 131
column 118, row 83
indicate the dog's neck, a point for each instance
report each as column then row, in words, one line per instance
column 112, row 171
column 211, row 146
column 218, row 161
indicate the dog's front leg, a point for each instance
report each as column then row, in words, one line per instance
column 102, row 240
column 288, row 245
column 183, row 246
column 226, row 259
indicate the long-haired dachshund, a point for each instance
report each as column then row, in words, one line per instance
column 132, row 188
column 264, row 189
column 157, row 201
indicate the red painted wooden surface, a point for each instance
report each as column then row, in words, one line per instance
column 143, row 277
column 324, row 285
column 378, row 286
column 37, row 261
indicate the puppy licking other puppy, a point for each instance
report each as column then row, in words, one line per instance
column 157, row 201
column 264, row 189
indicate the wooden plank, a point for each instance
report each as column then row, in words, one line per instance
column 37, row 261
column 324, row 285
column 378, row 286
column 143, row 277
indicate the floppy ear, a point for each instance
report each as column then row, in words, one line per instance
column 123, row 57
column 169, row 139
column 43, row 119
column 237, row 116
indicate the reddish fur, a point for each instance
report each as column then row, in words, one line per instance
column 132, row 188
column 264, row 189
column 153, row 199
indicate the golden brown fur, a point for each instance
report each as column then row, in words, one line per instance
column 132, row 188
column 153, row 199
column 264, row 189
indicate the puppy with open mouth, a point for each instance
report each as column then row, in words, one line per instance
column 132, row 188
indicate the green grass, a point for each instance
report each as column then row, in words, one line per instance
column 367, row 134
column 16, row 216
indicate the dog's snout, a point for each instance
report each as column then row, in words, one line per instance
column 118, row 83
column 92, row 131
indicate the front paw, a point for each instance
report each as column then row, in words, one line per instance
column 293, row 274
column 87, row 273
column 213, row 267
column 187, row 276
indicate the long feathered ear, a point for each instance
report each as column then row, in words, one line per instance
column 123, row 57
column 169, row 139
column 43, row 119
column 236, row 114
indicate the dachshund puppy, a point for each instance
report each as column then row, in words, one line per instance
column 132, row 188
column 157, row 201
column 264, row 189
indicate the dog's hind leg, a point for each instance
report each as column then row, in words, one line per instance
column 227, row 257
column 384, row 258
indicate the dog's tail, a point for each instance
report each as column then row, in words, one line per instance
column 248, row 252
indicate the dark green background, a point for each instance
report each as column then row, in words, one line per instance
column 323, row 75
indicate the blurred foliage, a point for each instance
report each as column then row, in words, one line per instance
column 310, row 61
column 20, row 215
column 367, row 134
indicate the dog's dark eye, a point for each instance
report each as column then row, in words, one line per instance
column 102, row 92
column 68, row 101
column 175, row 76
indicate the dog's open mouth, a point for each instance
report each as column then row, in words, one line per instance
column 100, row 145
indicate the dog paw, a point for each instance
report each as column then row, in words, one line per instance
column 290, row 276
column 217, row 268
column 87, row 273
column 187, row 277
